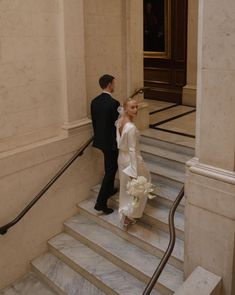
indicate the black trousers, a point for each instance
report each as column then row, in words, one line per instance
column 110, row 169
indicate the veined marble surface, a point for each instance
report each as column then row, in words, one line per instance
column 143, row 232
column 161, row 213
column 29, row 285
column 123, row 251
column 158, row 215
column 96, row 267
column 186, row 124
column 169, row 137
column 163, row 152
column 155, row 105
column 63, row 277
column 160, row 168
column 167, row 114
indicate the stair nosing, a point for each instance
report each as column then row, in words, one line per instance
column 52, row 282
column 174, row 157
column 130, row 236
column 169, row 142
column 116, row 259
column 162, row 173
column 97, row 279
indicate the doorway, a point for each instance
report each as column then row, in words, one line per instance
column 165, row 49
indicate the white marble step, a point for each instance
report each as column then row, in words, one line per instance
column 176, row 142
column 29, row 285
column 167, row 191
column 61, row 277
column 143, row 235
column 158, row 216
column 169, row 113
column 94, row 267
column 164, row 167
column 126, row 255
column 164, row 153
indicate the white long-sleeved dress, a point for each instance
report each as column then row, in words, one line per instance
column 130, row 164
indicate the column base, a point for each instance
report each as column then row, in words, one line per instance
column 189, row 95
column 210, row 221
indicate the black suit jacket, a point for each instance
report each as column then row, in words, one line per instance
column 104, row 114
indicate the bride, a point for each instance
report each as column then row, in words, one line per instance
column 130, row 162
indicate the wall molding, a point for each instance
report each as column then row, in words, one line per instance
column 211, row 172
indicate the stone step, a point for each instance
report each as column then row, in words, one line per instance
column 157, row 216
column 29, row 285
column 145, row 236
column 167, row 191
column 165, row 168
column 167, row 114
column 163, row 152
column 62, row 278
column 172, row 167
column 174, row 142
column 162, row 170
column 124, row 254
column 108, row 277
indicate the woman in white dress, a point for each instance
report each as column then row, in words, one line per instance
column 130, row 162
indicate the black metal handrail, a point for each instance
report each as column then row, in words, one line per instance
column 139, row 90
column 4, row 229
column 170, row 247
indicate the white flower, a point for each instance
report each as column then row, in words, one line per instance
column 139, row 188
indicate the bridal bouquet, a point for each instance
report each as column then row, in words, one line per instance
column 139, row 188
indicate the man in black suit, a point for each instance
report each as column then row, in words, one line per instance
column 104, row 114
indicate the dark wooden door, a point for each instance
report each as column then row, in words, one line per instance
column 167, row 76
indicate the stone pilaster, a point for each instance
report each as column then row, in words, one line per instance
column 134, row 58
column 189, row 91
column 73, row 30
column 210, row 180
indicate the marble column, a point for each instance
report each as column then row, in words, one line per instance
column 73, row 30
column 134, row 57
column 210, row 180
column 189, row 91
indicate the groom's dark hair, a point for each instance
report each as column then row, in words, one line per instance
column 105, row 80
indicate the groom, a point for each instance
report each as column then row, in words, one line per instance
column 104, row 114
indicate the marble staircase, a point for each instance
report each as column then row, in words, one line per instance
column 95, row 256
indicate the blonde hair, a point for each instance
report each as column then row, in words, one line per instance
column 126, row 101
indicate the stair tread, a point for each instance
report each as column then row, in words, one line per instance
column 161, row 213
column 163, row 170
column 97, row 266
column 165, row 188
column 169, row 137
column 144, row 232
column 63, row 277
column 154, row 150
column 29, row 285
column 138, row 258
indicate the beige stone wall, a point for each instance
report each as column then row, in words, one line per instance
column 42, row 89
column 30, row 71
column 22, row 176
column 114, row 44
column 104, row 43
column 52, row 53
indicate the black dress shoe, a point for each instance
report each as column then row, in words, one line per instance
column 115, row 190
column 105, row 209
